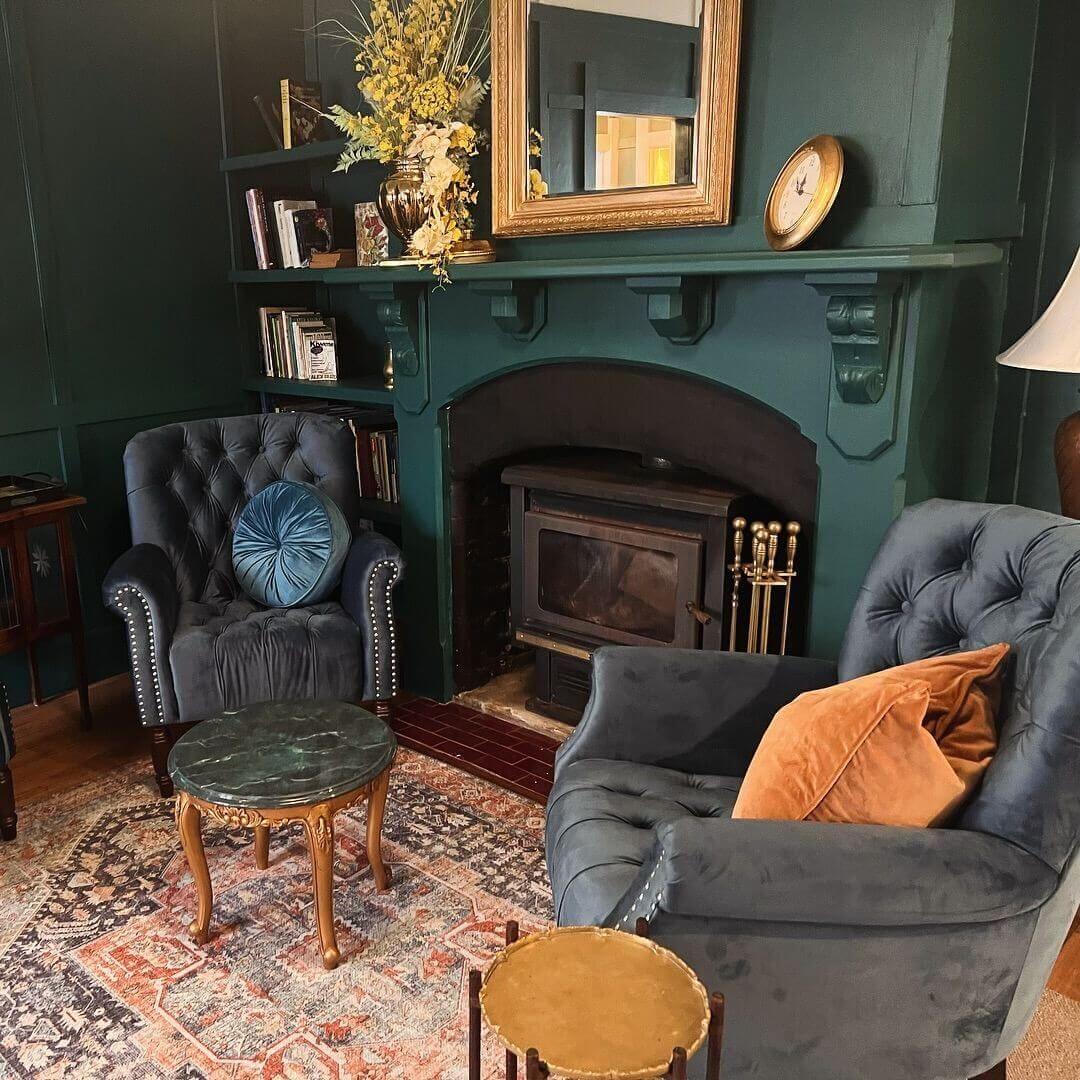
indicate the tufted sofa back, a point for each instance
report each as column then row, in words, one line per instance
column 954, row 575
column 187, row 483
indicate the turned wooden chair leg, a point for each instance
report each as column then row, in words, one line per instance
column 160, row 745
column 512, row 931
column 996, row 1073
column 677, row 1069
column 716, row 1035
column 8, row 817
column 535, row 1069
column 474, row 1024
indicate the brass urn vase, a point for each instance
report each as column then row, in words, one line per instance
column 402, row 203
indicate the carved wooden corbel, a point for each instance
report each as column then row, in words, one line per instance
column 402, row 312
column 679, row 307
column 518, row 308
column 864, row 318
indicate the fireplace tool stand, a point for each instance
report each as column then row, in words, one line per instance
column 761, row 574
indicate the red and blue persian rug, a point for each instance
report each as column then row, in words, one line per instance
column 98, row 977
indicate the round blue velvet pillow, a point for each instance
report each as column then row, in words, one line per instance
column 289, row 545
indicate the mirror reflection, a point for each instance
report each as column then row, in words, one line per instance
column 612, row 94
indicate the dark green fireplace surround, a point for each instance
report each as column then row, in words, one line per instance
column 883, row 359
column 878, row 344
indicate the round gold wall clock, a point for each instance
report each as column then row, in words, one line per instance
column 804, row 192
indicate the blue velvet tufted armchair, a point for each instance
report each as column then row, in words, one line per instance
column 847, row 952
column 197, row 644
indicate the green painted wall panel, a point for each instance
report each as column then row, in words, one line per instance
column 1030, row 405
column 115, row 314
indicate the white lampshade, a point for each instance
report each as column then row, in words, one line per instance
column 1053, row 343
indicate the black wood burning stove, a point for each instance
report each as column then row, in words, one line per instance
column 606, row 547
column 578, row 432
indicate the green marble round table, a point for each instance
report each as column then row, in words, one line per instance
column 283, row 761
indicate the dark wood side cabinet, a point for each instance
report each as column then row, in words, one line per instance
column 39, row 590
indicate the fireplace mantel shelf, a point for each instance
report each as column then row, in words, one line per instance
column 913, row 258
column 865, row 287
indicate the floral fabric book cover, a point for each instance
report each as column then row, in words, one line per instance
column 372, row 239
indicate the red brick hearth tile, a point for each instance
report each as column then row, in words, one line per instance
column 483, row 745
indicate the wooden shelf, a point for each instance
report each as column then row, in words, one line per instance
column 316, row 151
column 268, row 277
column 381, row 511
column 920, row 257
column 363, row 391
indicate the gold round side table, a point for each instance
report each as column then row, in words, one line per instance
column 590, row 1003
column 275, row 762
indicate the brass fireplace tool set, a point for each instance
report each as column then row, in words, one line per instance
column 763, row 576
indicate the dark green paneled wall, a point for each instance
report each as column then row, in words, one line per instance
column 113, row 312
column 1030, row 405
column 116, row 315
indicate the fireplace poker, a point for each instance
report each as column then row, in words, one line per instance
column 774, row 528
column 788, row 575
column 736, row 576
column 761, row 537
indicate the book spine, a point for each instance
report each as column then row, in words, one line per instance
column 286, row 116
column 375, row 464
column 271, row 121
column 392, row 452
column 363, row 457
column 264, row 339
column 256, row 207
column 385, row 467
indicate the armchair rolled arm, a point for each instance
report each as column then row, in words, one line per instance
column 688, row 709
column 835, row 875
column 140, row 587
column 373, row 568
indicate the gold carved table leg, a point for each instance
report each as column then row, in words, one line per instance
column 262, row 846
column 376, row 807
column 318, row 821
column 189, row 819
column 319, row 826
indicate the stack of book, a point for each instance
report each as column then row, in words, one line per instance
column 378, row 463
column 289, row 233
column 298, row 344
column 375, row 433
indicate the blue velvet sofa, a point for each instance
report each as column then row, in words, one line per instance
column 847, row 952
column 197, row 644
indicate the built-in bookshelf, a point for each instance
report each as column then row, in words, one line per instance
column 257, row 46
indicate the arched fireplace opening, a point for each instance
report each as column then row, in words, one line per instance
column 591, row 501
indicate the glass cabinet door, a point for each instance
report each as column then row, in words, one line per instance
column 46, row 573
column 9, row 608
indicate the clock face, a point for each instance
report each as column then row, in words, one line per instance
column 799, row 191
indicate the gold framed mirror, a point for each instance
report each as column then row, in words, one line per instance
column 612, row 114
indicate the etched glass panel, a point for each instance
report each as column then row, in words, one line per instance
column 46, row 573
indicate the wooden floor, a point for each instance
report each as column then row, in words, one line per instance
column 54, row 755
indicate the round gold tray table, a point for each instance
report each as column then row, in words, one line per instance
column 274, row 762
column 590, row 1003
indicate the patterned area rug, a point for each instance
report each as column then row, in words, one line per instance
column 99, row 979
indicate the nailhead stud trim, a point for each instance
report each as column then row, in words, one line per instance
column 123, row 594
column 390, row 582
column 641, row 895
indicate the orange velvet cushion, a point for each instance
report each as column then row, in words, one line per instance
column 866, row 751
column 965, row 692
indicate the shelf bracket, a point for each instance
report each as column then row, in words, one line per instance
column 518, row 308
column 864, row 318
column 679, row 307
column 402, row 312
